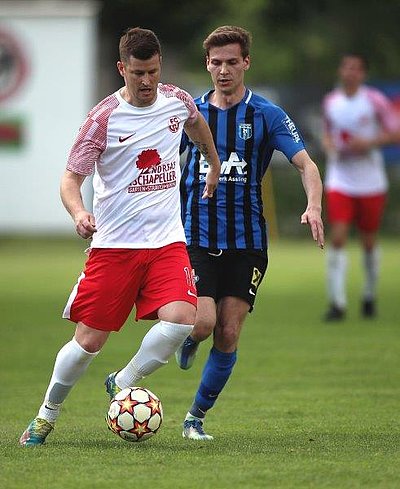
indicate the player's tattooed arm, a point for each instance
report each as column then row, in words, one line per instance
column 203, row 148
column 199, row 132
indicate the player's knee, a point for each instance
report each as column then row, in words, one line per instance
column 204, row 327
column 91, row 340
column 90, row 345
column 338, row 242
column 178, row 312
column 227, row 338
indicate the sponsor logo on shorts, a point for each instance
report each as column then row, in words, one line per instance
column 191, row 294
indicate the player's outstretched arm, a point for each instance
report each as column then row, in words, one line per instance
column 313, row 187
column 199, row 132
column 70, row 191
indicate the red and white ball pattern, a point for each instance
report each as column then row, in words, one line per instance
column 135, row 414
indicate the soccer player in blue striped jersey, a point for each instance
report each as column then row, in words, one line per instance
column 226, row 235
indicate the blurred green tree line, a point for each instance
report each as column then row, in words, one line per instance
column 294, row 40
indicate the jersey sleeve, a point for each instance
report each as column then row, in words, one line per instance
column 92, row 137
column 284, row 135
column 386, row 114
column 187, row 99
column 183, row 96
column 88, row 146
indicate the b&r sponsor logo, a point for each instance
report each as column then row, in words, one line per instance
column 232, row 170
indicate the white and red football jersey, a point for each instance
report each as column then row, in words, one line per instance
column 134, row 153
column 362, row 115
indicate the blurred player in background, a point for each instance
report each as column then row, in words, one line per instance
column 226, row 235
column 138, row 252
column 358, row 121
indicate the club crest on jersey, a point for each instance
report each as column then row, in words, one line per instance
column 245, row 131
column 174, row 123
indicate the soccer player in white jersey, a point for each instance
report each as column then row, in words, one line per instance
column 138, row 251
column 358, row 120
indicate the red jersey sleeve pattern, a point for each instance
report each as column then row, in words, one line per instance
column 92, row 138
column 384, row 109
column 173, row 91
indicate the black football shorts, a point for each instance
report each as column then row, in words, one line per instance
column 222, row 273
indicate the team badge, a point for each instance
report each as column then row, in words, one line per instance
column 174, row 123
column 245, row 131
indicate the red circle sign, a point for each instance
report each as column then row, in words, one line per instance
column 13, row 66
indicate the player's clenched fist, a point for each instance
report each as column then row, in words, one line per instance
column 85, row 224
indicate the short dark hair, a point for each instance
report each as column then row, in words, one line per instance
column 360, row 56
column 228, row 34
column 139, row 43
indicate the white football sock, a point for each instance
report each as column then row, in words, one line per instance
column 160, row 342
column 371, row 263
column 336, row 279
column 71, row 363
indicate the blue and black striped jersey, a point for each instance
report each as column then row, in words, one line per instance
column 245, row 136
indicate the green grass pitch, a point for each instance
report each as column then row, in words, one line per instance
column 310, row 405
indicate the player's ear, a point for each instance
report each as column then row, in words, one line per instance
column 121, row 68
column 246, row 62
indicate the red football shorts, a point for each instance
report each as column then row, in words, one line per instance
column 365, row 211
column 116, row 280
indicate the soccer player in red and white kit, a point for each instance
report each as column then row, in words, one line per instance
column 358, row 120
column 138, row 255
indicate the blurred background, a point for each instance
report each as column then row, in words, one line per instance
column 58, row 59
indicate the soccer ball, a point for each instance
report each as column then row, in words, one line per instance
column 135, row 414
